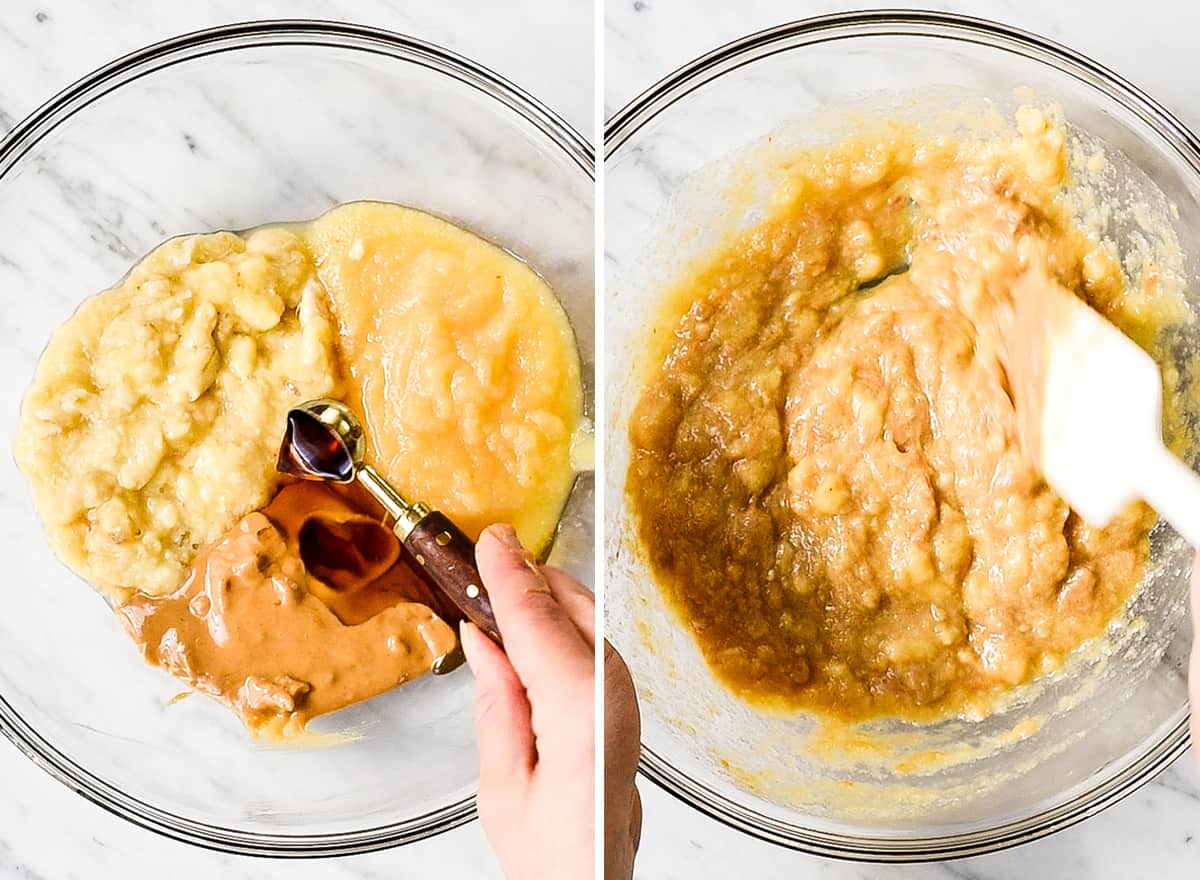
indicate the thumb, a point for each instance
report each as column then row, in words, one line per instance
column 544, row 647
column 503, row 720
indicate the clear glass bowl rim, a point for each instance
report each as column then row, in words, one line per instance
column 618, row 131
column 76, row 97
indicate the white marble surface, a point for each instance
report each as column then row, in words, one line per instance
column 1156, row 831
column 47, row 831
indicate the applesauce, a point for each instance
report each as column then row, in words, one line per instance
column 461, row 362
column 825, row 472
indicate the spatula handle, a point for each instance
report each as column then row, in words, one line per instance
column 1173, row 489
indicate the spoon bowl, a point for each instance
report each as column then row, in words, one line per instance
column 324, row 441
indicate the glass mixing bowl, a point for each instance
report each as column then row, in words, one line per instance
column 228, row 129
column 1118, row 714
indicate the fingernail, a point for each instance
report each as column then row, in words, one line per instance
column 507, row 536
column 467, row 633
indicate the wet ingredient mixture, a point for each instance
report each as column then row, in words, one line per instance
column 825, row 467
column 301, row 609
column 151, row 431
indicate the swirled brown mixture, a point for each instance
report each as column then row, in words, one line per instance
column 825, row 469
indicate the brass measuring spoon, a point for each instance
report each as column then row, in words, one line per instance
column 325, row 441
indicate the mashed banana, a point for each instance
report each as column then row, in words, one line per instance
column 825, row 467
column 154, row 417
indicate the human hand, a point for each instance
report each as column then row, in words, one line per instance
column 535, row 714
column 622, row 748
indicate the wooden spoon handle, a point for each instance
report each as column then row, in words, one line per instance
column 448, row 557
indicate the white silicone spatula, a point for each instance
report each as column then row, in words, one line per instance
column 1089, row 404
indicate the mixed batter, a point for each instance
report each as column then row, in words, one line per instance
column 151, row 431
column 825, row 466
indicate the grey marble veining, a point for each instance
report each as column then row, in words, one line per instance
column 1156, row 831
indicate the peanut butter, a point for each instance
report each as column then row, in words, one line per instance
column 301, row 609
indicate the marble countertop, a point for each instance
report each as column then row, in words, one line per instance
column 1156, row 831
column 46, row 830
